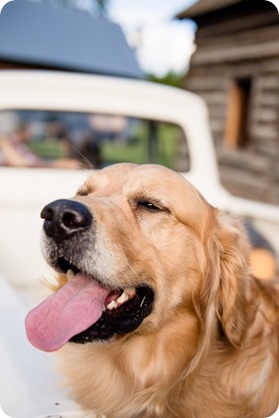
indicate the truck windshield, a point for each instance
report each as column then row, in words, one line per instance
column 44, row 138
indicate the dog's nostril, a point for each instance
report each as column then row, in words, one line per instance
column 63, row 218
column 47, row 213
column 73, row 219
column 69, row 219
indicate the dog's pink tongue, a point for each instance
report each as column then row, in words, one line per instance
column 71, row 310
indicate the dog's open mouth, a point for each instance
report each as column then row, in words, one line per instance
column 84, row 310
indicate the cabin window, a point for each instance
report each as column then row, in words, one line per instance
column 43, row 138
column 237, row 122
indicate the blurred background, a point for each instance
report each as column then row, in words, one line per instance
column 227, row 52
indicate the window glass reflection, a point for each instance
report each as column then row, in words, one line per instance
column 32, row 138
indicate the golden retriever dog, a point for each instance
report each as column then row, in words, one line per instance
column 156, row 312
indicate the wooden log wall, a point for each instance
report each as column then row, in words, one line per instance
column 250, row 170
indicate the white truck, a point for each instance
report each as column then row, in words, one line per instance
column 96, row 120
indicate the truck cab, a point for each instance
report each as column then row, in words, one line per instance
column 69, row 124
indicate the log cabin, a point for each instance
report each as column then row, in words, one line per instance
column 235, row 68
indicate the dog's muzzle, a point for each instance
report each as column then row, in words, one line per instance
column 86, row 308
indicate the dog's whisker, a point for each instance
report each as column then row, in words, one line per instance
column 87, row 165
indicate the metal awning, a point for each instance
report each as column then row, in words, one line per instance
column 42, row 35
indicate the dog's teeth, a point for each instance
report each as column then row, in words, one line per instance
column 70, row 274
column 112, row 305
column 130, row 291
column 127, row 294
column 123, row 298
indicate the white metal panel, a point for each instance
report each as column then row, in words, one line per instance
column 29, row 386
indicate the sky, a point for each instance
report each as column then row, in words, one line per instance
column 162, row 43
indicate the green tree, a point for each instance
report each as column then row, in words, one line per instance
column 171, row 79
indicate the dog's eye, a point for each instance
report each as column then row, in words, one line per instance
column 82, row 192
column 145, row 204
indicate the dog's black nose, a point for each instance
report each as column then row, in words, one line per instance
column 64, row 218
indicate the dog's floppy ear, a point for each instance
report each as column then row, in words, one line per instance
column 234, row 291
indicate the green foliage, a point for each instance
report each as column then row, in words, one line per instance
column 136, row 149
column 170, row 79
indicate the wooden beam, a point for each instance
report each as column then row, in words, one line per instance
column 239, row 24
column 213, row 55
column 207, row 83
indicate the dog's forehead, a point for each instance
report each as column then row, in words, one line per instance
column 128, row 178
column 150, row 179
column 111, row 177
column 157, row 180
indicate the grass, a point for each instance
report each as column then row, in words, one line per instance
column 137, row 150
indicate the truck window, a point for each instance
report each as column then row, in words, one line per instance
column 43, row 138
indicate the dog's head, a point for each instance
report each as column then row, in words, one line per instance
column 140, row 248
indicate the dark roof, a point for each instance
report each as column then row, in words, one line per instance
column 205, row 6
column 42, row 35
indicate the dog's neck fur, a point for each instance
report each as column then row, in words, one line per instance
column 126, row 380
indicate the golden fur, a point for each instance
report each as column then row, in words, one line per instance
column 210, row 347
